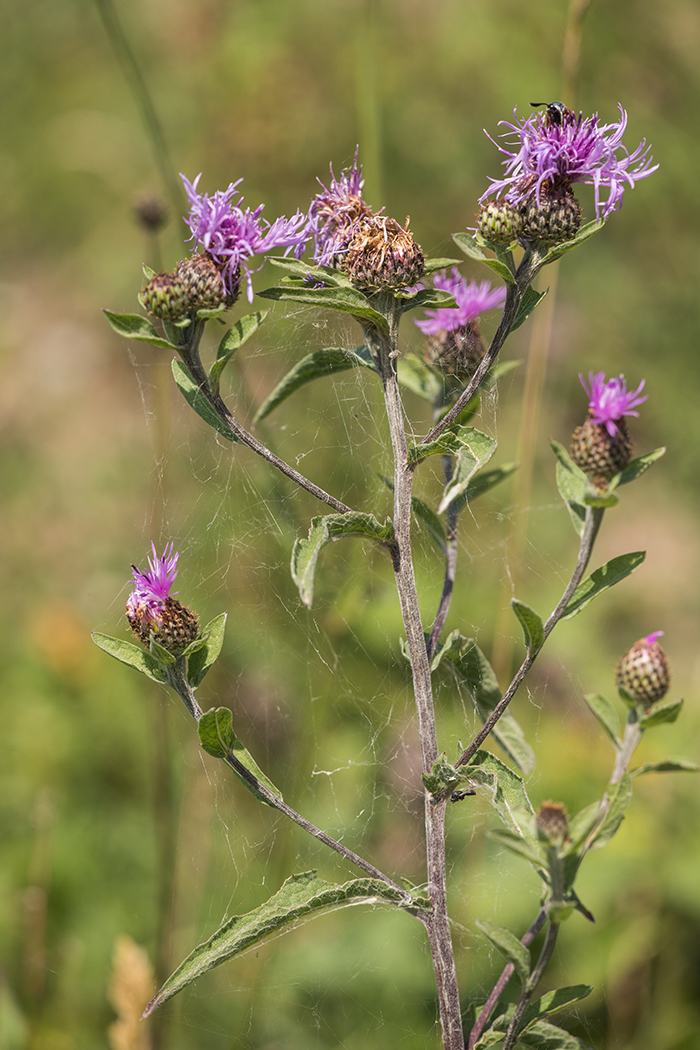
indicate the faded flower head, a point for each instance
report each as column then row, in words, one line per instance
column 152, row 611
column 542, row 155
column 473, row 298
column 610, row 401
column 232, row 236
column 335, row 213
column 552, row 822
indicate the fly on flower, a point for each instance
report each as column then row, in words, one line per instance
column 556, row 112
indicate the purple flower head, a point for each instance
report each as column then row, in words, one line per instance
column 232, row 236
column 652, row 638
column 473, row 298
column 576, row 150
column 610, row 401
column 335, row 212
column 151, row 588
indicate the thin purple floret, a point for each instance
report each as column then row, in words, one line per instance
column 152, row 587
column 473, row 298
column 609, row 402
column 651, row 639
column 333, row 213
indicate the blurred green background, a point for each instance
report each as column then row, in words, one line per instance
column 112, row 822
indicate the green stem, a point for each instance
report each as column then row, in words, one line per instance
column 532, row 982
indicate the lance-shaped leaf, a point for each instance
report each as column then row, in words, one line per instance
column 427, row 298
column 133, row 326
column 196, row 399
column 506, row 792
column 619, row 798
column 300, row 898
column 217, row 738
column 482, row 482
column 347, row 300
column 325, row 530
column 573, row 485
column 427, row 516
column 606, row 714
column 529, row 301
column 418, row 377
column 474, row 250
column 520, row 846
column 317, row 365
column 662, row 712
column 433, row 265
column 583, row 234
column 476, row 673
column 544, row 1036
column 232, row 341
column 131, row 655
column 601, row 580
column 474, row 451
column 510, row 946
column 531, row 623
column 669, row 765
column 199, row 662
column 636, row 467
column 311, row 274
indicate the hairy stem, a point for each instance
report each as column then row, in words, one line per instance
column 594, row 516
column 450, row 565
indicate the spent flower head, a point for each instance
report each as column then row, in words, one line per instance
column 232, row 236
column 335, row 213
column 153, row 586
column 473, row 298
column 610, row 401
column 544, row 155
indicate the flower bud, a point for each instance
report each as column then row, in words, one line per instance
column 151, row 212
column 555, row 218
column 552, row 823
column 382, row 254
column 643, row 670
column 165, row 296
column 599, row 454
column 498, row 222
column 457, row 352
column 204, row 283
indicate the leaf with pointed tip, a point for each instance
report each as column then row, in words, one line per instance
column 529, row 301
column 509, row 945
column 311, row 274
column 533, row 629
column 636, row 467
column 572, row 490
column 427, row 516
column 474, row 450
column 160, row 654
column 601, row 580
column 195, row 399
column 130, row 654
column 541, row 1035
column 619, row 798
column 581, row 826
column 199, row 662
column 471, row 248
column 663, row 712
column 583, row 234
column 300, row 898
column 218, row 739
column 232, row 341
column 325, row 530
column 320, row 363
column 606, row 714
column 476, row 673
column 433, row 265
column 669, row 765
column 133, row 326
column 507, row 793
column 347, row 300
column 418, row 377
column 520, row 846
column 427, row 298
column 482, row 482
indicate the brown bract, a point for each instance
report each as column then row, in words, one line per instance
column 382, row 254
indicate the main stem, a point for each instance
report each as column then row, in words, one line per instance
column 384, row 348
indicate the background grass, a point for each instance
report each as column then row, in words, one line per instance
column 100, row 776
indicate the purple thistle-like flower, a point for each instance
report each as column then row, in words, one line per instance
column 232, row 236
column 335, row 212
column 610, row 401
column 576, row 150
column 151, row 588
column 473, row 298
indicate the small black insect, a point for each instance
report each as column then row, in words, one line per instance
column 457, row 796
column 556, row 112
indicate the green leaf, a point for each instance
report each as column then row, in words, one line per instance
column 669, row 765
column 581, row 826
column 131, row 655
column 482, row 482
column 427, row 516
column 572, row 484
column 433, row 265
column 163, row 656
column 474, row 450
column 217, row 738
column 427, row 298
column 529, row 301
column 532, row 626
column 601, row 580
column 636, row 467
column 418, row 377
column 197, row 400
column 347, row 300
column 607, row 715
column 663, row 712
column 520, row 846
column 231, row 342
column 544, row 1036
column 506, row 790
column 471, row 248
column 321, row 363
column 477, row 446
column 583, row 234
column 303, row 271
column 300, row 898
column 202, row 659
column 325, row 530
column 133, row 326
column 509, row 945
column 619, row 798
column 476, row 673
column 443, row 777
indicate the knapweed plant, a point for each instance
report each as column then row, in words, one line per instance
column 341, row 255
